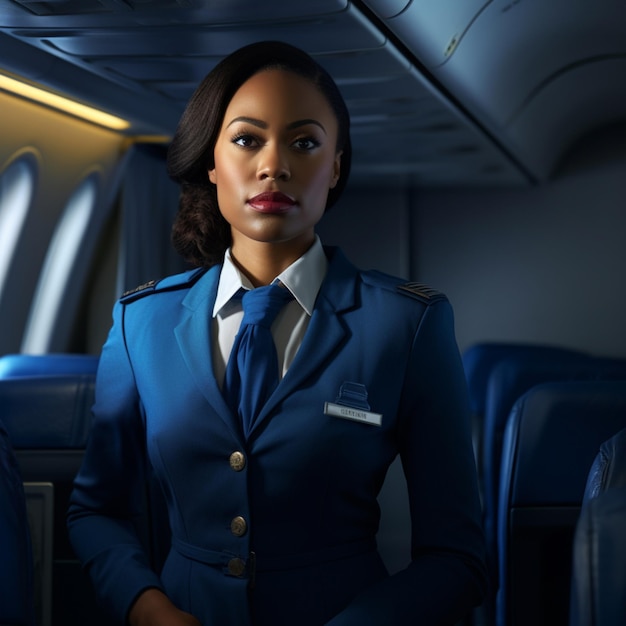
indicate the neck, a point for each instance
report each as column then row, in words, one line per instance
column 262, row 262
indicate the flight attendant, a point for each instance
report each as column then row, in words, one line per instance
column 270, row 388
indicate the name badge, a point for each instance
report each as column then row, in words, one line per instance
column 351, row 413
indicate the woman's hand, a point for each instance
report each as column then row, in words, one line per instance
column 153, row 608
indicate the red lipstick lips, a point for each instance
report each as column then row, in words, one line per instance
column 271, row 202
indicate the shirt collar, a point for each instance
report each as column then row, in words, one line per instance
column 303, row 278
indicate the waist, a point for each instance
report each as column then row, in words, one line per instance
column 255, row 561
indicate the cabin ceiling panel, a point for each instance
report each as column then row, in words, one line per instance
column 213, row 40
column 183, row 73
column 175, row 11
column 153, row 54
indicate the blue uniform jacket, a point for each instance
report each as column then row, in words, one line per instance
column 280, row 528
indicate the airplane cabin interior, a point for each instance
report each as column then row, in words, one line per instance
column 489, row 153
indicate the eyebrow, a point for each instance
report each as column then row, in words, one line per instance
column 263, row 125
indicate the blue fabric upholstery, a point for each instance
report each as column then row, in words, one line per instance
column 599, row 553
column 48, row 412
column 497, row 398
column 19, row 365
column 16, row 563
column 480, row 359
column 551, row 439
column 48, row 419
column 509, row 380
column 609, row 467
column 599, row 575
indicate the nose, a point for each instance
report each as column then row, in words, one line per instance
column 273, row 164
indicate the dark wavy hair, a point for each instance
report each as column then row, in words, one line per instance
column 200, row 233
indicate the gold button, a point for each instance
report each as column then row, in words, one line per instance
column 238, row 526
column 236, row 567
column 237, row 461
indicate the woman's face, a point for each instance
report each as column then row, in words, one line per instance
column 275, row 159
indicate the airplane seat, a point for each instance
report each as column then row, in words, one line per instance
column 598, row 590
column 508, row 381
column 599, row 553
column 479, row 361
column 16, row 565
column 48, row 419
column 609, row 467
column 551, row 438
column 18, row 365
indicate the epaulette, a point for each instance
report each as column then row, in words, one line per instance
column 416, row 290
column 422, row 292
column 178, row 281
column 141, row 288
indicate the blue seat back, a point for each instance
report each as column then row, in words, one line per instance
column 509, row 380
column 479, row 363
column 48, row 419
column 27, row 365
column 480, row 360
column 48, row 412
column 551, row 438
column 599, row 554
column 16, row 564
column 599, row 577
column 609, row 467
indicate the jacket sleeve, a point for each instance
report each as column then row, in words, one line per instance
column 109, row 490
column 447, row 573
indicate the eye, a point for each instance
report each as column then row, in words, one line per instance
column 306, row 144
column 245, row 140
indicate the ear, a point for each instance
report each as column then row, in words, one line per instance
column 336, row 170
column 212, row 176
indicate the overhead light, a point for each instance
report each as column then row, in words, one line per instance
column 62, row 104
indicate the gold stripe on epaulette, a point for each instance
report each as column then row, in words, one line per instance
column 150, row 283
column 421, row 290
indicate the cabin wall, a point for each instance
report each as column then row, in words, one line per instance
column 534, row 264
column 545, row 264
column 371, row 226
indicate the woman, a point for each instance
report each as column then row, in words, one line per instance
column 274, row 519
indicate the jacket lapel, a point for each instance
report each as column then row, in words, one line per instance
column 326, row 331
column 194, row 337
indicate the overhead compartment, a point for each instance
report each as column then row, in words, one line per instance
column 572, row 104
column 387, row 8
column 152, row 60
column 432, row 29
column 537, row 75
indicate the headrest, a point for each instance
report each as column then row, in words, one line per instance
column 47, row 411
column 513, row 376
column 552, row 437
column 480, row 359
column 18, row 365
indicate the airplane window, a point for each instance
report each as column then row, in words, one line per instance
column 57, row 267
column 16, row 191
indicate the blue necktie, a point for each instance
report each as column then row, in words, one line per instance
column 252, row 369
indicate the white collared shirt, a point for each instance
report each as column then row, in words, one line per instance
column 303, row 278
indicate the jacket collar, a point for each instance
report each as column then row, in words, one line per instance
column 326, row 331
